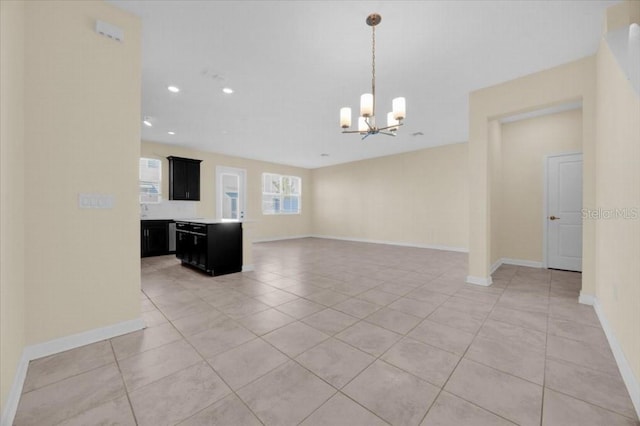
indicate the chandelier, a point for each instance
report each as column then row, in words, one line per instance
column 367, row 119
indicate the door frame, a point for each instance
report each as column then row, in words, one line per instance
column 545, row 200
column 220, row 170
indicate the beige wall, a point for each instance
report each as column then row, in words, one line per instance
column 12, row 303
column 565, row 83
column 82, row 100
column 261, row 227
column 495, row 188
column 525, row 144
column 618, row 187
column 70, row 125
column 416, row 198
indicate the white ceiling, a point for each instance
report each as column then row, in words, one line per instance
column 293, row 64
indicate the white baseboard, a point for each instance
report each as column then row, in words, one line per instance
column 479, row 280
column 630, row 380
column 515, row 262
column 495, row 266
column 521, row 262
column 11, row 406
column 587, row 299
column 247, row 268
column 268, row 240
column 55, row 346
column 393, row 243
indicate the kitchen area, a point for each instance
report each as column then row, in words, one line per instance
column 171, row 227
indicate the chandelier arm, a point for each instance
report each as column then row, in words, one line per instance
column 391, row 127
column 371, row 128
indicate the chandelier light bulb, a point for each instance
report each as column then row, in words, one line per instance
column 345, row 117
column 399, row 108
column 366, row 105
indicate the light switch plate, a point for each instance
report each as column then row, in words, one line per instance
column 95, row 201
column 109, row 30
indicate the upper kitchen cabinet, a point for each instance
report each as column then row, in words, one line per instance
column 184, row 179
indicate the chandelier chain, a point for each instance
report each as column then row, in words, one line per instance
column 373, row 67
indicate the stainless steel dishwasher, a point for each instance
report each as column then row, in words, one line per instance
column 172, row 236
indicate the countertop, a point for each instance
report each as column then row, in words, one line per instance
column 181, row 219
column 202, row 221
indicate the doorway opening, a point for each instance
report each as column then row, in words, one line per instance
column 230, row 194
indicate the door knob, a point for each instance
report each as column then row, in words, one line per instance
column 553, row 218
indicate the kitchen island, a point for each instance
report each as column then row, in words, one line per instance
column 210, row 245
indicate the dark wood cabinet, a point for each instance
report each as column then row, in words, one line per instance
column 184, row 179
column 215, row 248
column 154, row 237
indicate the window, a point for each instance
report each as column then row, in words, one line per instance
column 150, row 176
column 281, row 194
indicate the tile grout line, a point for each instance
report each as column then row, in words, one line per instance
column 124, row 385
column 544, row 365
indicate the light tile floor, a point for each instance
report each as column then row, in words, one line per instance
column 338, row 333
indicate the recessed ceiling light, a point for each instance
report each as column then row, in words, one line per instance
column 172, row 133
column 228, row 90
column 173, row 89
column 147, row 122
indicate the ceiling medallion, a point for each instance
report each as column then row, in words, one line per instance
column 367, row 120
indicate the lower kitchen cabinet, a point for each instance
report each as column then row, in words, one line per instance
column 155, row 237
column 215, row 248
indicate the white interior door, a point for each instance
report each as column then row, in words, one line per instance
column 564, row 212
column 230, row 194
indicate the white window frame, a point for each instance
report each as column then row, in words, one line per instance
column 144, row 197
column 277, row 194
